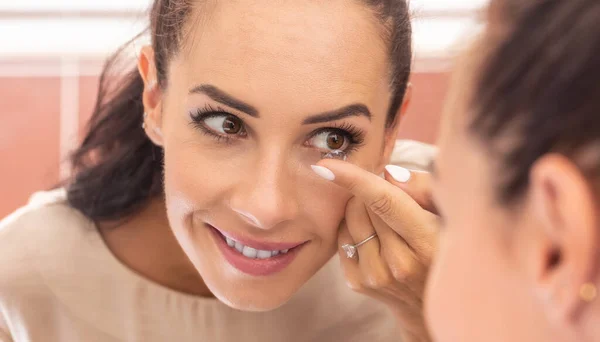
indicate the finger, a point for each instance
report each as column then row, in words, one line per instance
column 352, row 273
column 401, row 257
column 395, row 207
column 360, row 228
column 406, row 264
column 416, row 184
column 373, row 268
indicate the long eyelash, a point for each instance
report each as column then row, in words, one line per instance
column 207, row 111
column 200, row 114
column 356, row 135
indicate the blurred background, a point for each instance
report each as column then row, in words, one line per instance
column 52, row 51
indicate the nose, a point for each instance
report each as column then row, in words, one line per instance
column 266, row 195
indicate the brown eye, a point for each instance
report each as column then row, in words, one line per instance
column 335, row 141
column 330, row 140
column 232, row 125
column 225, row 124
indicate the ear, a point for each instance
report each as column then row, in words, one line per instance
column 152, row 95
column 391, row 133
column 564, row 206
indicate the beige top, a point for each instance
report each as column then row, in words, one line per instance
column 59, row 282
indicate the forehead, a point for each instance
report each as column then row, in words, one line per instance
column 289, row 49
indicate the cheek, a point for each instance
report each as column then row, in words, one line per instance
column 324, row 205
column 443, row 295
column 468, row 278
column 194, row 177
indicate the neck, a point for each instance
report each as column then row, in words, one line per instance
column 146, row 244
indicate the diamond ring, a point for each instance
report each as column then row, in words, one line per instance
column 352, row 249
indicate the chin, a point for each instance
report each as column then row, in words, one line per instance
column 249, row 285
column 252, row 300
column 250, row 292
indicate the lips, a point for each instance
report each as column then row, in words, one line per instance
column 254, row 257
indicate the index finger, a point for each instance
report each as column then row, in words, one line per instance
column 396, row 208
column 417, row 184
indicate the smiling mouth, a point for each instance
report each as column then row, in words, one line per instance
column 251, row 252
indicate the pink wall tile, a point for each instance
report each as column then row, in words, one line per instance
column 29, row 138
column 422, row 119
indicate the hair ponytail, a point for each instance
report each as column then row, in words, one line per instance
column 117, row 169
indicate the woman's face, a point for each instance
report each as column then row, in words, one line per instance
column 258, row 94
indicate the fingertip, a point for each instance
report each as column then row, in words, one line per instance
column 347, row 175
column 323, row 172
column 334, row 166
column 398, row 173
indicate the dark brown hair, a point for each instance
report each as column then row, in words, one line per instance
column 537, row 89
column 118, row 169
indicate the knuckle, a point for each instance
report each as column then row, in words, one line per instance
column 379, row 281
column 355, row 285
column 405, row 271
column 400, row 273
column 382, row 206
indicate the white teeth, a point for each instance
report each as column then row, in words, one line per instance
column 252, row 253
column 263, row 254
column 230, row 242
column 249, row 252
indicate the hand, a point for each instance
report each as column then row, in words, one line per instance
column 393, row 267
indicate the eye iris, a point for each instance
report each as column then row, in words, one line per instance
column 231, row 125
column 335, row 141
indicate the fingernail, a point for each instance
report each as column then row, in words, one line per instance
column 400, row 174
column 323, row 172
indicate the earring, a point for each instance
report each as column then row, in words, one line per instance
column 588, row 292
column 144, row 120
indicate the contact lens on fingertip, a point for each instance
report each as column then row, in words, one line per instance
column 337, row 154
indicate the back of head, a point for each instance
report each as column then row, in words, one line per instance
column 538, row 86
column 517, row 176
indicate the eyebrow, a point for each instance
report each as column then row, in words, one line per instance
column 357, row 109
column 218, row 95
